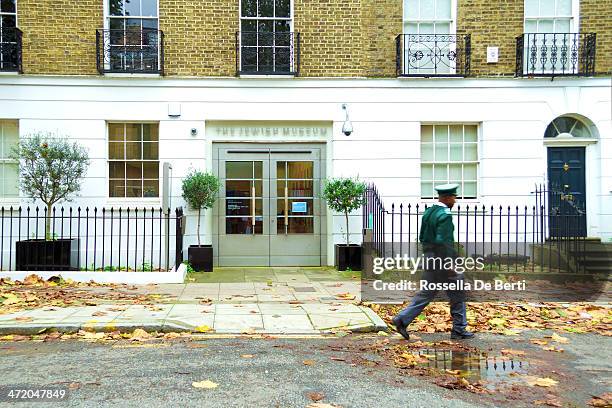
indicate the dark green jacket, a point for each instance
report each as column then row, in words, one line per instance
column 438, row 232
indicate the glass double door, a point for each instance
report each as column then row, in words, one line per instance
column 269, row 212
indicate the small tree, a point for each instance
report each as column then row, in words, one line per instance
column 50, row 169
column 200, row 191
column 344, row 195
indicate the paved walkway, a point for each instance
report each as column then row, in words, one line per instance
column 284, row 302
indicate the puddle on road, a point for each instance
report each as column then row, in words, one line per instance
column 475, row 366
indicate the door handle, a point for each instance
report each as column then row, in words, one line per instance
column 253, row 208
column 286, row 209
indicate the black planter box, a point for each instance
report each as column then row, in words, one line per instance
column 348, row 257
column 201, row 257
column 43, row 255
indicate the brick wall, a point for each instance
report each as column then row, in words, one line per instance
column 59, row 37
column 381, row 23
column 491, row 23
column 596, row 17
column 200, row 37
column 331, row 37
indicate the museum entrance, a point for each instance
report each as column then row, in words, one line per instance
column 269, row 211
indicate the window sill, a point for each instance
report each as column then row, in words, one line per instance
column 133, row 203
column 9, row 73
column 7, row 203
column 131, row 75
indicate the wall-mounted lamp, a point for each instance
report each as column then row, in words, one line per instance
column 347, row 127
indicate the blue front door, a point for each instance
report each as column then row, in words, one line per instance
column 566, row 192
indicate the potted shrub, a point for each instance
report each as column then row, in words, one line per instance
column 200, row 192
column 50, row 170
column 345, row 195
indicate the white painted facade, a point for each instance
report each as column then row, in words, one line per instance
column 387, row 114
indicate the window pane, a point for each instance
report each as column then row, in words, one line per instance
column 150, row 188
column 116, row 131
column 547, row 8
column 562, row 26
column 249, row 8
column 149, row 8
column 427, row 190
column 441, row 172
column 427, row 151
column 427, row 133
column 469, row 189
column 116, row 188
column 411, row 9
column 302, row 207
column 116, row 150
column 243, row 225
column 456, row 152
column 116, row 7
column 442, row 28
column 545, row 26
column 427, row 172
column 456, row 133
column 150, row 151
column 454, row 171
column 150, row 170
column 133, row 132
column 116, row 170
column 299, row 170
column 443, row 9
column 7, row 6
column 301, row 188
column 239, row 170
column 133, row 188
column 427, row 10
column 470, row 172
column 238, row 206
column 411, row 28
column 301, row 225
column 283, row 8
column 441, row 134
column 531, row 26
column 258, row 170
column 471, row 152
column 564, row 7
column 133, row 170
column 471, row 133
column 132, row 7
column 238, row 188
column 150, row 132
column 441, row 152
column 133, row 151
column 11, row 180
column 266, row 8
column 532, row 8
column 426, row 28
column 580, row 130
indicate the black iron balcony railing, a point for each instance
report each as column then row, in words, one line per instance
column 130, row 51
column 10, row 49
column 427, row 55
column 267, row 53
column 555, row 54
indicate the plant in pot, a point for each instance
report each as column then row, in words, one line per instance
column 200, row 192
column 50, row 170
column 345, row 195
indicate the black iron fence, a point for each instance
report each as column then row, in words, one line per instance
column 130, row 51
column 426, row 55
column 10, row 49
column 107, row 239
column 555, row 54
column 267, row 53
column 507, row 237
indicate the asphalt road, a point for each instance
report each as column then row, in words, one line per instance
column 124, row 374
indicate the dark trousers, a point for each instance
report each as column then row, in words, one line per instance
column 424, row 297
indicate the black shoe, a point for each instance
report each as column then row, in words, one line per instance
column 461, row 336
column 401, row 329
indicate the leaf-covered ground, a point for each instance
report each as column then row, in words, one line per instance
column 35, row 292
column 510, row 318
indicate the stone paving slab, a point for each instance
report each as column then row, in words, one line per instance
column 221, row 318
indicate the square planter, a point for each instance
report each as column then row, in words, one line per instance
column 348, row 257
column 201, row 257
column 43, row 255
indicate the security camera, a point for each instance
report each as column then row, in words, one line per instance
column 194, row 132
column 347, row 128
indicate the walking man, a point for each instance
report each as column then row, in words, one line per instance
column 438, row 241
